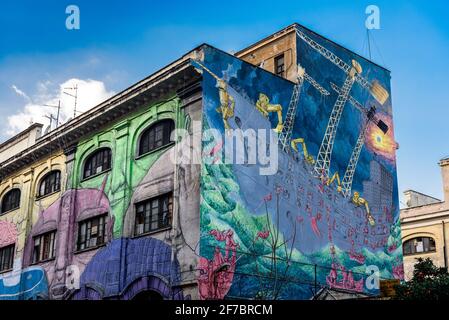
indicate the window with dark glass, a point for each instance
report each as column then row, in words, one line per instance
column 156, row 136
column 11, row 200
column 279, row 65
column 6, row 258
column 153, row 214
column 419, row 245
column 98, row 162
column 91, row 232
column 44, row 247
column 50, row 183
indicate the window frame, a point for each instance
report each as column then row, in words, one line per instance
column 10, row 263
column 52, row 249
column 44, row 179
column 9, row 193
column 277, row 65
column 145, row 135
column 88, row 237
column 147, row 217
column 431, row 248
column 90, row 157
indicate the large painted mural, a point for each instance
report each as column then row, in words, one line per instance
column 314, row 202
column 122, row 266
column 328, row 216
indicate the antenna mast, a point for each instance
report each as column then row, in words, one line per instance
column 75, row 87
column 369, row 43
column 57, row 114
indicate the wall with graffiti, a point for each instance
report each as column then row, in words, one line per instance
column 26, row 282
column 310, row 199
column 54, row 259
column 328, row 216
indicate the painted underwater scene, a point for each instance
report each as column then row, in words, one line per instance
column 288, row 234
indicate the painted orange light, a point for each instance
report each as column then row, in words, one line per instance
column 380, row 143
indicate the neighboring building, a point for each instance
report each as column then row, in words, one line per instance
column 113, row 205
column 20, row 142
column 425, row 226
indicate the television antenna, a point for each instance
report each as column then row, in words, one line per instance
column 51, row 118
column 75, row 88
column 57, row 114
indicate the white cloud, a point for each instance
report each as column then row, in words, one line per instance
column 20, row 93
column 90, row 93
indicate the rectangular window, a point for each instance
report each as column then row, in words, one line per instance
column 44, row 247
column 279, row 65
column 153, row 214
column 91, row 232
column 6, row 258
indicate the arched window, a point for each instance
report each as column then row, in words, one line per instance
column 156, row 136
column 11, row 200
column 419, row 245
column 97, row 162
column 50, row 183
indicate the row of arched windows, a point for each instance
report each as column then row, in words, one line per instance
column 50, row 183
column 154, row 137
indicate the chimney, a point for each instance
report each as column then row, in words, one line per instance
column 444, row 164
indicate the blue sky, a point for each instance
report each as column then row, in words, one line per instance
column 121, row 42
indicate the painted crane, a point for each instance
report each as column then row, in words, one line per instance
column 286, row 133
column 370, row 116
column 322, row 164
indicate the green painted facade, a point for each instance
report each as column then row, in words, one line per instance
column 127, row 169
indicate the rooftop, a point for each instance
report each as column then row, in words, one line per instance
column 291, row 28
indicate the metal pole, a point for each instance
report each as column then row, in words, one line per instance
column 76, row 98
column 57, row 115
column 444, row 245
column 369, row 44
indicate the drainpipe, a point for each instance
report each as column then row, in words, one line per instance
column 444, row 245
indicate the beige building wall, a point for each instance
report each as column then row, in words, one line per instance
column 428, row 220
column 264, row 52
column 20, row 142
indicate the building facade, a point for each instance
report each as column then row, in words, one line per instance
column 138, row 198
column 425, row 226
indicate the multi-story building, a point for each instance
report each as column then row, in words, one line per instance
column 117, row 204
column 425, row 227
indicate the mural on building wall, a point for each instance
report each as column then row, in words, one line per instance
column 127, row 170
column 63, row 216
column 100, row 272
column 148, row 266
column 20, row 284
column 328, row 213
column 8, row 233
column 331, row 209
column 26, row 284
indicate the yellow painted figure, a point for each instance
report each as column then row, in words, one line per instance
column 265, row 107
column 307, row 156
column 227, row 102
column 335, row 177
column 359, row 201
